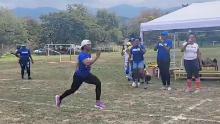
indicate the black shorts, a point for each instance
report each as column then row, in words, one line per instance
column 192, row 68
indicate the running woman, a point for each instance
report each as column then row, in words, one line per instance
column 83, row 74
column 192, row 60
column 24, row 56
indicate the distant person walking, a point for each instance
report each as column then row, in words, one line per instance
column 83, row 74
column 24, row 56
column 163, row 58
column 192, row 62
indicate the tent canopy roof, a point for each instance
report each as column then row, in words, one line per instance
column 196, row 15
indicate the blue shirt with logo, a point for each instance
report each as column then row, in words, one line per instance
column 83, row 70
column 138, row 53
column 163, row 54
column 24, row 54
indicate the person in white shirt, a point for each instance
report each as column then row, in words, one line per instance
column 192, row 60
column 127, row 65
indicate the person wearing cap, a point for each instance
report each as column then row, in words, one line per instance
column 163, row 58
column 24, row 56
column 192, row 62
column 127, row 66
column 83, row 74
column 137, row 59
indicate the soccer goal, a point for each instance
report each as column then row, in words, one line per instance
column 64, row 51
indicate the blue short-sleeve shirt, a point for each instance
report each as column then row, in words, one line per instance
column 83, row 70
column 138, row 53
column 163, row 54
column 24, row 54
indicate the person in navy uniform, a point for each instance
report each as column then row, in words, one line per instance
column 163, row 58
column 24, row 56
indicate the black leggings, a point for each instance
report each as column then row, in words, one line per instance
column 164, row 67
column 25, row 65
column 77, row 81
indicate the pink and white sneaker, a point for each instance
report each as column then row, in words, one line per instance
column 58, row 102
column 100, row 105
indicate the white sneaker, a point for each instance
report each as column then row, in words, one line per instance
column 163, row 88
column 197, row 91
column 100, row 105
column 145, row 86
column 57, row 101
column 138, row 84
column 133, row 84
column 169, row 88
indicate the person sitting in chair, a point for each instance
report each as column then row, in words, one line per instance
column 215, row 64
column 210, row 63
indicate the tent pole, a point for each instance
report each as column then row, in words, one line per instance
column 48, row 51
column 142, row 36
column 174, row 47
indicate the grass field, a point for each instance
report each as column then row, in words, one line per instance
column 32, row 101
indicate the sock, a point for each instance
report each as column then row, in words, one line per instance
column 198, row 83
column 189, row 83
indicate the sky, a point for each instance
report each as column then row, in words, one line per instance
column 61, row 4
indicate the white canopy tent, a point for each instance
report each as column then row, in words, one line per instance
column 196, row 15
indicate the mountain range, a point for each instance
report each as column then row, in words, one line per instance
column 125, row 11
column 33, row 13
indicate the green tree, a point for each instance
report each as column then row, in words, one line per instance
column 33, row 30
column 132, row 29
column 71, row 26
column 62, row 28
column 12, row 29
column 107, row 20
column 110, row 24
column 76, row 24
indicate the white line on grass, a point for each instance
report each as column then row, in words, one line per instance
column 179, row 99
column 22, row 88
column 204, row 120
column 25, row 88
column 6, row 79
column 173, row 118
column 78, row 107
column 198, row 104
column 181, row 117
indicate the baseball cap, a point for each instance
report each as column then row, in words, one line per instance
column 132, row 39
column 23, row 45
column 128, row 43
column 164, row 33
column 85, row 42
